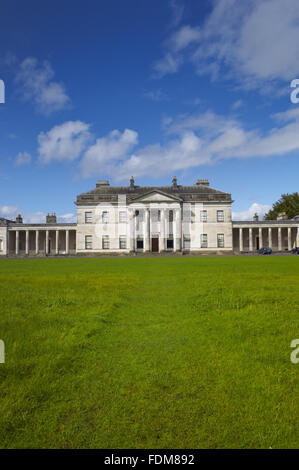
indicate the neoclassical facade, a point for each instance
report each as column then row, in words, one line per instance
column 132, row 219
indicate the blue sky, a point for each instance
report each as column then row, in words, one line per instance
column 106, row 90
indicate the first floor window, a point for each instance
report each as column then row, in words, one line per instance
column 220, row 240
column 122, row 216
column 203, row 216
column 105, row 217
column 171, row 216
column 88, row 242
column 122, row 242
column 105, row 242
column 204, row 240
column 220, row 216
column 88, row 217
column 187, row 242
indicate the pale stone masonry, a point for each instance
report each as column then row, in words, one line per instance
column 130, row 219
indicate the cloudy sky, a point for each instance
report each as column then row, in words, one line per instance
column 150, row 88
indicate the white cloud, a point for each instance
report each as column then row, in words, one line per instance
column 185, row 36
column 67, row 218
column 237, row 104
column 40, row 217
column 253, row 42
column 63, row 142
column 206, row 139
column 155, row 95
column 36, row 85
column 23, row 158
column 106, row 153
column 177, row 10
column 255, row 208
column 190, row 141
column 8, row 212
column 168, row 64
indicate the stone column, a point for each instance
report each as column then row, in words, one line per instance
column 47, row 242
column 270, row 237
column 37, row 242
column 177, row 230
column 250, row 240
column 240, row 239
column 162, row 231
column 67, row 241
column 135, row 229
column 146, row 230
column 17, row 242
column 279, row 239
column 27, row 243
column 261, row 245
column 57, row 242
column 289, row 238
column 131, row 230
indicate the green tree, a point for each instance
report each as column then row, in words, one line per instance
column 288, row 203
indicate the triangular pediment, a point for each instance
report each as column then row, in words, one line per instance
column 156, row 196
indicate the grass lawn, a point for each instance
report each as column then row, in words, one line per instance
column 149, row 353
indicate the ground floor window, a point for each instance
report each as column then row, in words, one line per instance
column 204, row 240
column 105, row 242
column 220, row 240
column 187, row 242
column 88, row 242
column 122, row 242
column 170, row 243
column 1, row 244
column 139, row 243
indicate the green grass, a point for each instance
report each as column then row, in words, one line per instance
column 149, row 353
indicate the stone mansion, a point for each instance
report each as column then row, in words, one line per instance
column 130, row 219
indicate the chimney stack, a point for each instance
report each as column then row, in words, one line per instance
column 202, row 182
column 51, row 219
column 19, row 219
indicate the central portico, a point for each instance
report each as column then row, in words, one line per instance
column 155, row 221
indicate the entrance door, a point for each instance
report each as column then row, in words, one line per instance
column 155, row 245
column 257, row 243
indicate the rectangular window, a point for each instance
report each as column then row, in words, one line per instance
column 1, row 244
column 187, row 242
column 220, row 240
column 105, row 242
column 204, row 240
column 122, row 216
column 203, row 216
column 171, row 216
column 88, row 242
column 122, row 242
column 139, row 243
column 105, row 217
column 220, row 216
column 170, row 242
column 88, row 217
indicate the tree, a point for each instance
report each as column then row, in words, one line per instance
column 288, row 203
